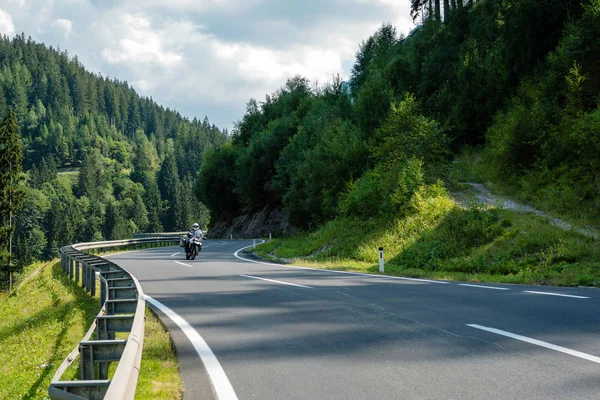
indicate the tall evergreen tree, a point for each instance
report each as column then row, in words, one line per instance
column 11, row 193
column 153, row 203
column 169, row 185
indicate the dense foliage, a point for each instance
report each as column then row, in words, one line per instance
column 518, row 76
column 101, row 162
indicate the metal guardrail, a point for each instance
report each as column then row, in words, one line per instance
column 122, row 307
column 158, row 235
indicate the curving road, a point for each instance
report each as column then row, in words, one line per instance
column 280, row 332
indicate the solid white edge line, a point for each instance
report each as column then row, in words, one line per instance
column 274, row 281
column 217, row 375
column 540, row 343
column 180, row 263
column 333, row 270
column 482, row 287
column 149, row 250
column 556, row 294
column 118, row 254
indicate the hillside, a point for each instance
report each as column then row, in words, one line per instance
column 125, row 159
column 508, row 89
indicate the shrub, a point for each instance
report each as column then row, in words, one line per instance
column 386, row 189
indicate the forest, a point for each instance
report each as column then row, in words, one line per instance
column 99, row 162
column 517, row 81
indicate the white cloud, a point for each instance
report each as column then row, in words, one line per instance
column 139, row 43
column 143, row 86
column 199, row 6
column 7, row 27
column 64, row 25
column 208, row 56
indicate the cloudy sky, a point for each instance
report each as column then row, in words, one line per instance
column 206, row 57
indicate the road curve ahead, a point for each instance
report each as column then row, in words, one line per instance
column 280, row 332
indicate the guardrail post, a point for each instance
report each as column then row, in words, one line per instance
column 77, row 275
column 92, row 282
column 103, row 370
column 83, row 276
column 86, row 362
column 102, row 291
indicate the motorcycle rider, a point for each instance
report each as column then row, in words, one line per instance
column 195, row 232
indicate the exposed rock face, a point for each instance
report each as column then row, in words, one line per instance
column 253, row 225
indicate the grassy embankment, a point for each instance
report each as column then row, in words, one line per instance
column 439, row 239
column 539, row 189
column 45, row 317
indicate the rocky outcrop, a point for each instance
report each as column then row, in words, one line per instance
column 254, row 225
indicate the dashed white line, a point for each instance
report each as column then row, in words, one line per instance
column 274, row 281
column 236, row 254
column 216, row 373
column 556, row 294
column 180, row 263
column 482, row 287
column 174, row 254
column 540, row 343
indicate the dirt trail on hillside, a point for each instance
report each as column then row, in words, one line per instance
column 480, row 194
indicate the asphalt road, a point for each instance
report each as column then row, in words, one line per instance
column 293, row 333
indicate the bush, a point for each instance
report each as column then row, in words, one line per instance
column 407, row 134
column 384, row 190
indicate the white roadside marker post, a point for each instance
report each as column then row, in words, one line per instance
column 232, row 236
column 269, row 235
column 381, row 266
column 254, row 243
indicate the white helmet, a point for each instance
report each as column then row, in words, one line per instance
column 196, row 226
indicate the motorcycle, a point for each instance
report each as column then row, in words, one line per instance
column 192, row 245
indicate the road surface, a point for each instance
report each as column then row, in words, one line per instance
column 250, row 330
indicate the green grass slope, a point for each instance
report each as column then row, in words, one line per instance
column 443, row 240
column 46, row 316
column 40, row 323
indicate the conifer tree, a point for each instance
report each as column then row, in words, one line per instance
column 11, row 194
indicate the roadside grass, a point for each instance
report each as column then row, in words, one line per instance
column 46, row 316
column 159, row 372
column 444, row 241
column 41, row 321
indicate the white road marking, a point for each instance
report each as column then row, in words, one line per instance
column 557, row 294
column 118, row 254
column 332, row 270
column 274, row 281
column 180, row 263
column 483, row 287
column 174, row 254
column 149, row 250
column 216, row 373
column 345, row 294
column 540, row 343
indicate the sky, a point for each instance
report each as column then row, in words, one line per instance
column 207, row 57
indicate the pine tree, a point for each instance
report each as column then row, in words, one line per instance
column 169, row 185
column 114, row 224
column 11, row 194
column 140, row 214
column 133, row 117
column 153, row 203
